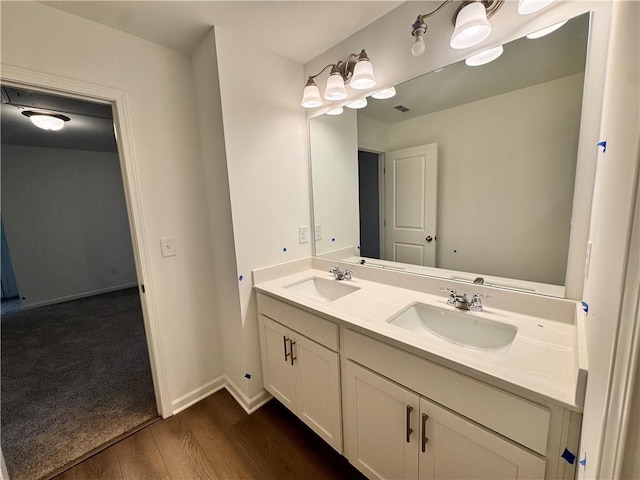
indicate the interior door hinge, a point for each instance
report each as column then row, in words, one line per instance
column 142, row 288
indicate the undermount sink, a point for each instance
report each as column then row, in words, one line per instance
column 456, row 326
column 322, row 288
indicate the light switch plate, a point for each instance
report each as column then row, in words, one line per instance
column 168, row 246
column 318, row 232
column 303, row 234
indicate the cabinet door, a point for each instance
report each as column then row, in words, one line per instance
column 457, row 448
column 277, row 371
column 318, row 390
column 381, row 425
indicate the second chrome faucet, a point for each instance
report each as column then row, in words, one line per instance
column 462, row 302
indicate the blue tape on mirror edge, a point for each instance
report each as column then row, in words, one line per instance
column 603, row 144
column 583, row 462
column 240, row 278
column 585, row 307
column 568, row 456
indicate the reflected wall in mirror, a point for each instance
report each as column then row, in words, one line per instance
column 493, row 195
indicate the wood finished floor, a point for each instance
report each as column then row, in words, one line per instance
column 216, row 439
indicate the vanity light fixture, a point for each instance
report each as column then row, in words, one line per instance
column 484, row 57
column 471, row 24
column 546, row 31
column 46, row 120
column 335, row 111
column 384, row 93
column 356, row 70
column 525, row 7
column 358, row 103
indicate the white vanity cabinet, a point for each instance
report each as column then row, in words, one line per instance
column 301, row 366
column 394, row 433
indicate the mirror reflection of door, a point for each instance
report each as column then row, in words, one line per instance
column 410, row 205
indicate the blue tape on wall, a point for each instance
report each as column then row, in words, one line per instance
column 284, row 249
column 603, row 144
column 585, row 307
column 247, row 375
column 240, row 278
column 568, row 456
column 583, row 462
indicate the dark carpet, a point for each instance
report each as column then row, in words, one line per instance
column 74, row 376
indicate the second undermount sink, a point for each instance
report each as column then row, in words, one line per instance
column 459, row 327
column 322, row 288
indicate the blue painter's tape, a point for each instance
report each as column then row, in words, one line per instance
column 240, row 278
column 583, row 462
column 284, row 249
column 247, row 375
column 568, row 456
column 603, row 144
column 585, row 307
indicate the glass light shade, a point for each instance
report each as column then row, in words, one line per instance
column 335, row 111
column 335, row 88
column 484, row 57
column 363, row 77
column 359, row 103
column 311, row 97
column 525, row 7
column 47, row 122
column 418, row 48
column 546, row 31
column 472, row 26
column 385, row 93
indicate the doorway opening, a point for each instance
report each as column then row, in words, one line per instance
column 76, row 371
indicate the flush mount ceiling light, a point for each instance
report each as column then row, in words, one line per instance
column 484, row 57
column 45, row 120
column 471, row 24
column 357, row 71
column 525, row 7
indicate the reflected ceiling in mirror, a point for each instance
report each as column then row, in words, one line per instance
column 480, row 169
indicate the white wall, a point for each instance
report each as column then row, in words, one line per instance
column 66, row 223
column 613, row 198
column 267, row 160
column 517, row 196
column 158, row 84
column 334, row 148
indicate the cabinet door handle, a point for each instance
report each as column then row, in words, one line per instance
column 286, row 354
column 409, row 429
column 425, row 417
column 291, row 344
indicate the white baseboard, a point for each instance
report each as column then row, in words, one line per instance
column 76, row 296
column 198, row 394
column 249, row 405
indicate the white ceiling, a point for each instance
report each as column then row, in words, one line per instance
column 299, row 30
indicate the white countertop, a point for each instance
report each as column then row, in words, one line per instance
column 542, row 359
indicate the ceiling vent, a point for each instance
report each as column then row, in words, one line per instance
column 402, row 108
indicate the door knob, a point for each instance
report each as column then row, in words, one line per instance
column 429, row 238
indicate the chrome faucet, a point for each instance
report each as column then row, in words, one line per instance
column 463, row 303
column 340, row 274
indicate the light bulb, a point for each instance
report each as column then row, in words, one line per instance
column 363, row 77
column 335, row 88
column 311, row 97
column 418, row 47
column 546, row 31
column 472, row 26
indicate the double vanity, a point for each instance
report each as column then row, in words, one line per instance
column 406, row 385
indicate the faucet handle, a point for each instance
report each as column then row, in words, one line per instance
column 347, row 274
column 452, row 295
column 476, row 303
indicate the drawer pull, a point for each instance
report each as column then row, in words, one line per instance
column 286, row 354
column 409, row 429
column 291, row 344
column 425, row 417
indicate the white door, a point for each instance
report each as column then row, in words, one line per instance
column 277, row 367
column 411, row 181
column 381, row 426
column 454, row 448
column 318, row 389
